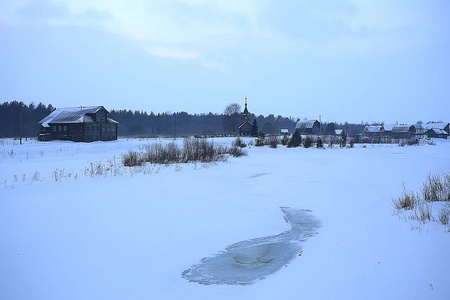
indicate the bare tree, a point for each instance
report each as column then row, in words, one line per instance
column 232, row 108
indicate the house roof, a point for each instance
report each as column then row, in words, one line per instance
column 438, row 131
column 402, row 128
column 305, row 124
column 71, row 115
column 389, row 127
column 440, row 125
column 245, row 123
column 374, row 128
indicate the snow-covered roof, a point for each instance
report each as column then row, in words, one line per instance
column 402, row 128
column 388, row 127
column 374, row 128
column 71, row 115
column 338, row 131
column 284, row 130
column 306, row 123
column 440, row 125
column 245, row 123
column 438, row 131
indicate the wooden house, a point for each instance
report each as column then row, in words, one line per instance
column 403, row 131
column 374, row 130
column 440, row 125
column 399, row 131
column 437, row 133
column 79, row 124
column 308, row 127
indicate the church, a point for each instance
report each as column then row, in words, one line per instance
column 245, row 128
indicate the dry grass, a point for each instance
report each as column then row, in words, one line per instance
column 193, row 150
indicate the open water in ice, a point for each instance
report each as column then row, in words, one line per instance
column 248, row 261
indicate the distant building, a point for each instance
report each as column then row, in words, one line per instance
column 284, row 131
column 338, row 131
column 399, row 131
column 79, row 124
column 245, row 128
column 439, row 125
column 308, row 127
column 374, row 130
column 437, row 133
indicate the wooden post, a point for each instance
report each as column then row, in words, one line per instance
column 20, row 120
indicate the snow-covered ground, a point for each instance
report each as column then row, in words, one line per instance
column 67, row 233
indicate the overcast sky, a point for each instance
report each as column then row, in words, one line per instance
column 347, row 60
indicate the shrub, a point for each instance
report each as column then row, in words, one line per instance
column 413, row 141
column 236, row 151
column 259, row 142
column 132, row 159
column 192, row 150
column 285, row 140
column 319, row 143
column 238, row 142
column 307, row 142
column 352, row 143
column 444, row 214
column 436, row 188
column 406, row 201
column 424, row 212
column 273, row 142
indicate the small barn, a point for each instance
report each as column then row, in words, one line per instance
column 78, row 124
column 308, row 127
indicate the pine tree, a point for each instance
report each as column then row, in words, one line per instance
column 319, row 143
column 307, row 142
column 343, row 139
column 255, row 129
column 296, row 140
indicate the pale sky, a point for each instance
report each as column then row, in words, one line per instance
column 347, row 60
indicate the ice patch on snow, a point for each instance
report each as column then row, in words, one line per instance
column 259, row 175
column 245, row 262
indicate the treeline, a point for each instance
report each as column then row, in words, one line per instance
column 12, row 114
column 141, row 123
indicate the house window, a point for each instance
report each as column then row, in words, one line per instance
column 54, row 128
column 59, row 128
column 65, row 128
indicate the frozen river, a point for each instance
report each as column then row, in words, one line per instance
column 248, row 261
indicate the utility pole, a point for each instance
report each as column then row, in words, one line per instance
column 20, row 120
column 175, row 135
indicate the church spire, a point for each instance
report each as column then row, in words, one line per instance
column 245, row 113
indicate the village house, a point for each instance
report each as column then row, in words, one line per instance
column 437, row 133
column 374, row 130
column 78, row 124
column 308, row 127
column 399, row 131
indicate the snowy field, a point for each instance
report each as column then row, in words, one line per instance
column 74, row 224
